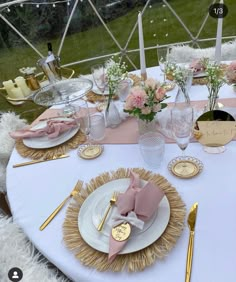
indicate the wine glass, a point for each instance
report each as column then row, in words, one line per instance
column 82, row 118
column 163, row 59
column 182, row 124
column 162, row 54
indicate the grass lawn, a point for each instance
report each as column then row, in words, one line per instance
column 159, row 27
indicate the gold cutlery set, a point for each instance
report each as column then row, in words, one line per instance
column 191, row 217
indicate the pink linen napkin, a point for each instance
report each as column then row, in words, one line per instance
column 142, row 202
column 52, row 130
column 197, row 66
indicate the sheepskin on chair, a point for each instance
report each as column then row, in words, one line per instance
column 183, row 54
column 17, row 251
column 8, row 122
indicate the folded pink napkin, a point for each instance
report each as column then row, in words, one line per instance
column 136, row 201
column 52, row 130
column 197, row 66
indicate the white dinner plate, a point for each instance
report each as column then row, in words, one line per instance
column 44, row 142
column 94, row 207
column 98, row 92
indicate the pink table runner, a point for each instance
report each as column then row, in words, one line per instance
column 127, row 131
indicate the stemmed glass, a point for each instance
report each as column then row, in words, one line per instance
column 82, row 118
column 163, row 59
column 182, row 124
column 163, row 54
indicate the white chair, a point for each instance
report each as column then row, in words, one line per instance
column 17, row 251
column 184, row 53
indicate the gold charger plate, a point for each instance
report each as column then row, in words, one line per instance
column 185, row 167
column 90, row 152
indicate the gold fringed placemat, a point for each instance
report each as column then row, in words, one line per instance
column 59, row 150
column 93, row 97
column 132, row 262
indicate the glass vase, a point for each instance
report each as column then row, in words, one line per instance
column 182, row 99
column 212, row 103
column 112, row 115
column 146, row 126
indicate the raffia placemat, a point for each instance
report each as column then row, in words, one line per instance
column 93, row 97
column 132, row 262
column 48, row 153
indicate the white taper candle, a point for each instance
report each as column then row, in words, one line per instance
column 219, row 38
column 141, row 47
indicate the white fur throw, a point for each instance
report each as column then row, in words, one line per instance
column 17, row 251
column 8, row 122
column 184, row 54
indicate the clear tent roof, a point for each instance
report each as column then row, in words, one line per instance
column 84, row 32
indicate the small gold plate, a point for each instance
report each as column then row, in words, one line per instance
column 121, row 232
column 185, row 167
column 89, row 152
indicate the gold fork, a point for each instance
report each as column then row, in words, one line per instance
column 112, row 202
column 51, row 216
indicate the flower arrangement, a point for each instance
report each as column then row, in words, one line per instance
column 231, row 73
column 215, row 80
column 145, row 101
column 182, row 76
column 115, row 72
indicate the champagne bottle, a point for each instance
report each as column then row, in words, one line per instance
column 54, row 62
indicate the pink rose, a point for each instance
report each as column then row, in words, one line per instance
column 151, row 83
column 139, row 97
column 160, row 93
column 129, row 103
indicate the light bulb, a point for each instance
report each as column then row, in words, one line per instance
column 8, row 10
column 54, row 5
column 21, row 5
column 37, row 6
column 68, row 3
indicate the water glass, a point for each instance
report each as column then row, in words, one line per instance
column 152, row 148
column 97, row 130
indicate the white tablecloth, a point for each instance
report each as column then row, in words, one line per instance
column 35, row 191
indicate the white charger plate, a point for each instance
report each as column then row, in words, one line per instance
column 44, row 142
column 94, row 207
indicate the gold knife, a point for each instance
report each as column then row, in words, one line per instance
column 53, row 214
column 41, row 160
column 191, row 224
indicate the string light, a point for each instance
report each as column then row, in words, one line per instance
column 37, row 5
